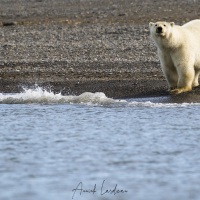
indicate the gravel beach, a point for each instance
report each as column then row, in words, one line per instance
column 74, row 46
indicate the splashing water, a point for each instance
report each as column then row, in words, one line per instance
column 40, row 95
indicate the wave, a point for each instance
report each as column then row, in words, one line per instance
column 160, row 105
column 39, row 95
column 42, row 96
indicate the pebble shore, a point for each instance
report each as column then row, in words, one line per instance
column 87, row 45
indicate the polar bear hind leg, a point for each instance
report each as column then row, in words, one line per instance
column 196, row 78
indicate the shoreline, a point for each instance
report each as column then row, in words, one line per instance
column 123, row 83
column 74, row 47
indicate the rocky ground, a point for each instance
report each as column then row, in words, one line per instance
column 75, row 46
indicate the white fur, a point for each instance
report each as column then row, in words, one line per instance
column 179, row 53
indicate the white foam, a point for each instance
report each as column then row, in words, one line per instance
column 40, row 95
column 157, row 102
column 159, row 105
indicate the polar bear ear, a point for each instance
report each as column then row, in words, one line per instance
column 151, row 24
column 172, row 24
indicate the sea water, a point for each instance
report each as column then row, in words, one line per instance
column 90, row 147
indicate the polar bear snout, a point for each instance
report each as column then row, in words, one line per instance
column 159, row 29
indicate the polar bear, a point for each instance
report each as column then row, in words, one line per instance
column 179, row 53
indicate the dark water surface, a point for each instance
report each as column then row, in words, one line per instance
column 111, row 149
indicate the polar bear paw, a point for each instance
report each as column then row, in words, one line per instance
column 180, row 90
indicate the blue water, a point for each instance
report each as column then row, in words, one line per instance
column 134, row 149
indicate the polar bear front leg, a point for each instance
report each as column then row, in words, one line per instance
column 169, row 70
column 186, row 77
column 172, row 78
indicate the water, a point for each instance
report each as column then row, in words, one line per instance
column 134, row 149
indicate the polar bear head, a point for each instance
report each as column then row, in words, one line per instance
column 161, row 29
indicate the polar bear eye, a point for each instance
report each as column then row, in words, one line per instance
column 156, row 25
column 164, row 24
